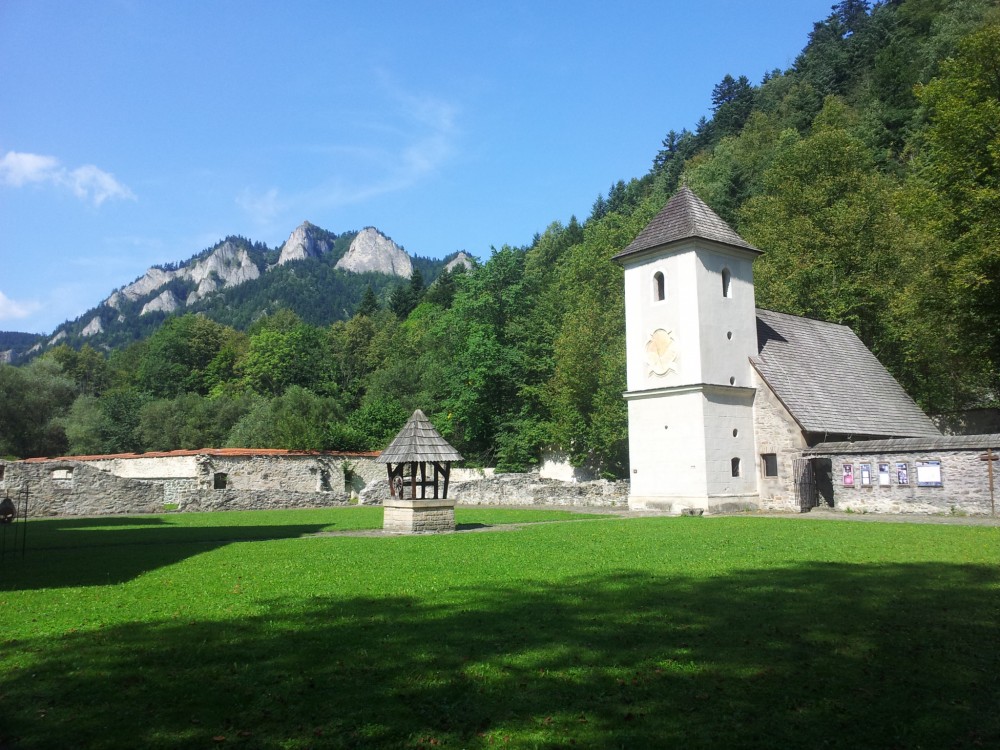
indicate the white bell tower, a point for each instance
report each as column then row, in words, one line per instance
column 690, row 330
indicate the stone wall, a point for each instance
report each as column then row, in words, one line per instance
column 418, row 516
column 67, row 487
column 778, row 433
column 521, row 489
column 75, row 488
column 964, row 486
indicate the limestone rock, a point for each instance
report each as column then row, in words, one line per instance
column 372, row 251
column 93, row 327
column 150, row 281
column 462, row 259
column 226, row 266
column 303, row 243
column 57, row 338
column 165, row 302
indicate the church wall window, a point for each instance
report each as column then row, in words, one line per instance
column 727, row 283
column 770, row 463
column 735, row 463
column 220, row 480
column 659, row 287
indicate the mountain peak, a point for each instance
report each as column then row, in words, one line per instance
column 372, row 251
column 304, row 242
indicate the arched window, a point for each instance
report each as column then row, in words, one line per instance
column 727, row 283
column 736, row 467
column 659, row 287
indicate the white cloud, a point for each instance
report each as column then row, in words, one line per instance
column 88, row 183
column 12, row 310
column 418, row 135
column 263, row 207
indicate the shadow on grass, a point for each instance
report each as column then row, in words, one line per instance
column 847, row 656
column 99, row 551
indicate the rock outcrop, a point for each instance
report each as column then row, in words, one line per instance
column 227, row 265
column 165, row 302
column 462, row 259
column 302, row 243
column 372, row 251
column 94, row 327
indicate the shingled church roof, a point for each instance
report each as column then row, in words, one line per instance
column 830, row 382
column 684, row 217
column 418, row 441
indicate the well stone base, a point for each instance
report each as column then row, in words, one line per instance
column 418, row 516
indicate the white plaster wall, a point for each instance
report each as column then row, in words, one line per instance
column 724, row 357
column 727, row 411
column 162, row 467
column 666, row 445
column 643, row 315
column 466, row 475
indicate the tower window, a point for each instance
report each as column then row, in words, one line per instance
column 770, row 464
column 735, row 463
column 659, row 287
column 727, row 283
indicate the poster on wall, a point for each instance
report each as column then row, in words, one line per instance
column 902, row 474
column 884, row 477
column 848, row 475
column 928, row 473
column 866, row 475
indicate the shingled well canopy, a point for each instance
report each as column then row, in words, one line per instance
column 417, row 445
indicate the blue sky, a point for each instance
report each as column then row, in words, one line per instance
column 137, row 132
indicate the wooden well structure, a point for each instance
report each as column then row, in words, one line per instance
column 418, row 462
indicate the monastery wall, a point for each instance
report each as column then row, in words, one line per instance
column 963, row 487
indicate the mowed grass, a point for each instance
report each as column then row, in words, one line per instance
column 247, row 630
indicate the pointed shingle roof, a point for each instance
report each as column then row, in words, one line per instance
column 418, row 441
column 684, row 217
column 831, row 383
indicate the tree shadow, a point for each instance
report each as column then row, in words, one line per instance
column 63, row 552
column 832, row 655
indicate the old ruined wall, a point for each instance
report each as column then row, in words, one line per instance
column 75, row 488
column 776, row 432
column 964, row 486
column 203, row 500
column 306, row 473
column 67, row 487
column 521, row 489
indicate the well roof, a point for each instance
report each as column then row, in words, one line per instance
column 685, row 216
column 830, row 382
column 418, row 441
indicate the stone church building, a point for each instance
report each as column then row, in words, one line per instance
column 733, row 407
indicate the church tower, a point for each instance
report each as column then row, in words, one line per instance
column 690, row 331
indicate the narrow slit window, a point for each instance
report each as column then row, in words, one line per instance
column 735, row 463
column 659, row 287
column 770, row 464
column 727, row 283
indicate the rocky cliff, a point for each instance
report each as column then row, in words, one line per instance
column 306, row 241
column 372, row 251
column 225, row 266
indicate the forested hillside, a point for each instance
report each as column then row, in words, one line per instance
column 867, row 173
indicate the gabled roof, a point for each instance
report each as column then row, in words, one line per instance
column 418, row 441
column 830, row 382
column 685, row 216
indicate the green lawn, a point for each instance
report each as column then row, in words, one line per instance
column 245, row 630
